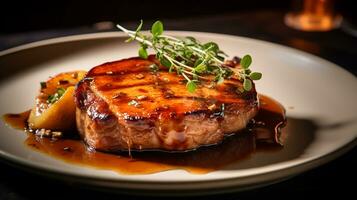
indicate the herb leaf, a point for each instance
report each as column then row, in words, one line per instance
column 246, row 61
column 191, row 86
column 247, row 84
column 165, row 62
column 211, row 46
column 143, row 53
column 157, row 28
column 201, row 68
column 255, row 75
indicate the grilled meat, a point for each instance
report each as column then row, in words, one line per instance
column 132, row 105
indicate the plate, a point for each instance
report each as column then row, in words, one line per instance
column 319, row 96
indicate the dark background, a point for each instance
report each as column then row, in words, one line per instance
column 23, row 16
column 28, row 21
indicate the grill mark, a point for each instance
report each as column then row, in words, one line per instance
column 161, row 85
column 107, row 88
column 117, row 77
column 157, row 81
column 142, row 90
column 190, row 98
column 233, row 85
column 120, row 73
column 165, row 91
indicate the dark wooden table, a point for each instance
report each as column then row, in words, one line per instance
column 339, row 46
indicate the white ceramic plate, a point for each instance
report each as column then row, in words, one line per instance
column 319, row 96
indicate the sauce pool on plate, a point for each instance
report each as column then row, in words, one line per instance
column 263, row 133
column 17, row 121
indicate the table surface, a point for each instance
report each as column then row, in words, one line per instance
column 338, row 46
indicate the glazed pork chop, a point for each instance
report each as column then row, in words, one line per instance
column 136, row 104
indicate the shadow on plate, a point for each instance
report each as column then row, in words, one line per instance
column 299, row 132
column 241, row 151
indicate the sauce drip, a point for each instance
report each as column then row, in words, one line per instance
column 263, row 133
column 17, row 121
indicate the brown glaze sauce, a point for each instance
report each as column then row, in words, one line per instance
column 263, row 133
column 17, row 121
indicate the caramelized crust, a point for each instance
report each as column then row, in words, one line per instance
column 125, row 105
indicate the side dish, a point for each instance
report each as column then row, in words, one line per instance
column 54, row 106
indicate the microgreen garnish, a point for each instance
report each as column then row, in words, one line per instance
column 255, row 75
column 56, row 96
column 143, row 53
column 246, row 74
column 190, row 58
column 191, row 86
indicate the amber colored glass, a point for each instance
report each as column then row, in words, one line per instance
column 313, row 15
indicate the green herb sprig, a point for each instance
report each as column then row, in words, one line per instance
column 190, row 58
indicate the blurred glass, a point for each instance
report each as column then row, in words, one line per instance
column 313, row 15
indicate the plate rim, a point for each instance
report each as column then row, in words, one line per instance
column 314, row 162
column 167, row 186
column 113, row 34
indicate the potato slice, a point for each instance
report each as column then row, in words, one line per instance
column 56, row 111
column 58, row 116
